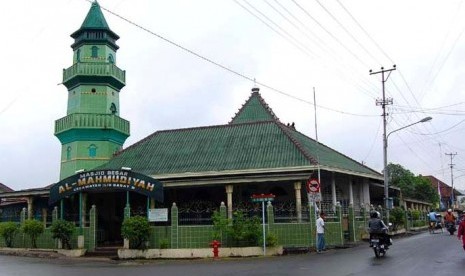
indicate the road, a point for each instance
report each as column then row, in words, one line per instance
column 422, row 254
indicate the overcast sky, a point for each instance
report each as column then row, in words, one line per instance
column 289, row 47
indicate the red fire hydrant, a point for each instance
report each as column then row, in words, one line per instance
column 215, row 245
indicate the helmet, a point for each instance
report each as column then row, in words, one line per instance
column 449, row 210
column 374, row 214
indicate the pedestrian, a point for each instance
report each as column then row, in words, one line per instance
column 320, row 233
column 461, row 232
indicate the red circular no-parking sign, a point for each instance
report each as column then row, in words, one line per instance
column 313, row 186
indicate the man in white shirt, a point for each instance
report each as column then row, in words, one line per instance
column 320, row 232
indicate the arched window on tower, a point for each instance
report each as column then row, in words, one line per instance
column 113, row 108
column 92, row 150
column 68, row 153
column 78, row 55
column 111, row 59
column 94, row 51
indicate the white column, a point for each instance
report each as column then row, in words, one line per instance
column 229, row 191
column 30, row 207
column 298, row 200
column 351, row 192
column 333, row 189
column 366, row 192
column 360, row 195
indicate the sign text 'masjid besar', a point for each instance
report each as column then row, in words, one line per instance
column 107, row 180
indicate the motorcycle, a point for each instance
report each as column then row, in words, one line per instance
column 379, row 244
column 450, row 226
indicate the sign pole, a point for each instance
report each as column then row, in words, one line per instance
column 263, row 220
column 262, row 198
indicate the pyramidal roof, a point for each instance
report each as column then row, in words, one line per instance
column 254, row 110
column 95, row 21
column 254, row 141
column 95, row 18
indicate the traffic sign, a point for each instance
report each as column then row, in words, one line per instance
column 313, row 186
column 262, row 197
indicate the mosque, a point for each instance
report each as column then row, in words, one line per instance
column 254, row 153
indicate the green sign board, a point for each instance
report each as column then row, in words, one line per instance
column 107, row 181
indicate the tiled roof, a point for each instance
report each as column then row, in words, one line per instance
column 4, row 188
column 254, row 139
column 445, row 189
column 254, row 110
column 95, row 18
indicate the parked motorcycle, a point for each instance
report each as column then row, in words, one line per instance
column 450, row 226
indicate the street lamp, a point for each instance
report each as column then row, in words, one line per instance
column 386, row 183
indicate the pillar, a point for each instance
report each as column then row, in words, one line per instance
column 229, row 191
column 83, row 210
column 93, row 225
column 30, row 207
column 152, row 203
column 366, row 193
column 174, row 226
column 333, row 189
column 55, row 214
column 44, row 216
column 351, row 192
column 298, row 200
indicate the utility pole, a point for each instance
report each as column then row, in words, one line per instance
column 452, row 177
column 383, row 102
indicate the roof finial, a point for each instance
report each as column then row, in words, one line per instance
column 255, row 87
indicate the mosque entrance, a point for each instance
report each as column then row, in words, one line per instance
column 110, row 216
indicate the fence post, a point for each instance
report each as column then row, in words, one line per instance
column 406, row 220
column 223, row 210
column 312, row 216
column 270, row 216
column 22, row 218
column 92, row 228
column 351, row 217
column 339, row 220
column 174, row 226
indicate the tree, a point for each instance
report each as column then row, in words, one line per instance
column 412, row 186
column 33, row 229
column 8, row 230
column 425, row 191
column 137, row 230
column 62, row 230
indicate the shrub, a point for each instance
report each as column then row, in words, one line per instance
column 62, row 230
column 8, row 230
column 397, row 216
column 220, row 225
column 270, row 240
column 164, row 243
column 415, row 214
column 137, row 230
column 33, row 228
column 241, row 231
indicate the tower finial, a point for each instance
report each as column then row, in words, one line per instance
column 255, row 87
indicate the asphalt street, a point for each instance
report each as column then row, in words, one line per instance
column 421, row 254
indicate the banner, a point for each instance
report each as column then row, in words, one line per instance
column 107, row 181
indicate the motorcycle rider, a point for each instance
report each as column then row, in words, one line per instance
column 449, row 217
column 377, row 226
column 432, row 219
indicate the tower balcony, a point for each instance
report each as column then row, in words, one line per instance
column 94, row 72
column 92, row 121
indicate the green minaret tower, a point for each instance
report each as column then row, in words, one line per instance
column 92, row 131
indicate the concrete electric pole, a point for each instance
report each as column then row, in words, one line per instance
column 452, row 178
column 383, row 102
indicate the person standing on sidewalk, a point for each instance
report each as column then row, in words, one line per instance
column 320, row 232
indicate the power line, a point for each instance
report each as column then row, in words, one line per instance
column 227, row 68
